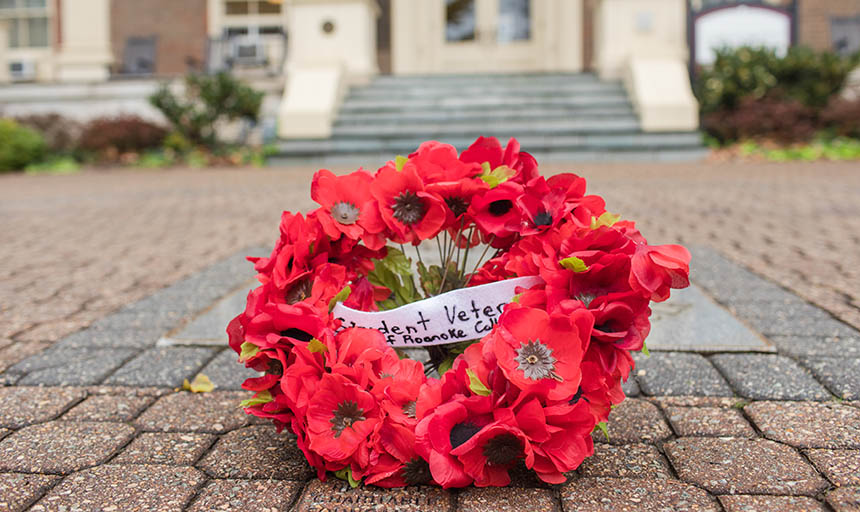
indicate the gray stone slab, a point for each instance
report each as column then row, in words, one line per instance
column 690, row 321
column 116, row 338
column 805, row 346
column 801, row 326
column 781, row 309
column 631, row 387
column 679, row 374
column 212, row 324
column 840, row 375
column 162, row 366
column 67, row 367
column 769, row 377
column 226, row 372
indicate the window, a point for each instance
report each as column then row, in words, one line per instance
column 29, row 23
column 248, row 7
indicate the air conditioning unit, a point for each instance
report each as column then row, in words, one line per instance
column 248, row 50
column 22, row 70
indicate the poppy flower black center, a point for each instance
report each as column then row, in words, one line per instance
column 299, row 291
column 345, row 213
column 500, row 207
column 543, row 219
column 417, row 471
column 503, row 450
column 347, row 413
column 458, row 205
column 297, row 334
column 462, row 432
column 409, row 208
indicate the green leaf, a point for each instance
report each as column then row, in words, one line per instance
column 573, row 263
column 645, row 349
column 476, row 385
column 399, row 162
column 340, row 297
column 200, row 384
column 346, row 474
column 516, row 298
column 605, row 219
column 315, row 346
column 249, row 350
column 395, row 273
column 262, row 397
column 445, row 365
column 602, row 427
column 498, row 175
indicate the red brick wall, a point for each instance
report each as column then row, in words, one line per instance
column 179, row 25
column 813, row 20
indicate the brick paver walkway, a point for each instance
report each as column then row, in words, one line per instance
column 76, row 248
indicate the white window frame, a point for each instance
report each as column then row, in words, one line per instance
column 20, row 14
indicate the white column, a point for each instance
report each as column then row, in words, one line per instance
column 4, row 43
column 85, row 45
column 331, row 44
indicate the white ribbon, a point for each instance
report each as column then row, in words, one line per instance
column 451, row 317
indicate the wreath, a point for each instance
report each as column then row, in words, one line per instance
column 556, row 287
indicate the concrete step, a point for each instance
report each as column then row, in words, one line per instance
column 531, row 143
column 485, row 103
column 489, row 78
column 399, row 91
column 485, row 116
column 372, row 161
column 465, row 128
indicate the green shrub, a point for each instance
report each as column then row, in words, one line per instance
column 208, row 99
column 783, row 120
column 61, row 134
column 804, row 75
column 19, row 146
column 123, row 134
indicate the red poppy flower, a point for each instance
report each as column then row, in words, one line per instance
column 348, row 207
column 448, row 426
column 497, row 211
column 341, row 417
column 488, row 149
column 457, row 196
column 411, row 213
column 438, row 162
column 541, row 353
column 658, row 268
column 491, row 452
column 542, row 206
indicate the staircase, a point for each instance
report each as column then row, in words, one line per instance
column 556, row 117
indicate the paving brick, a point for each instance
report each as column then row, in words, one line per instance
column 844, row 499
column 18, row 490
column 633, row 494
column 801, row 326
column 256, row 452
column 842, row 467
column 817, row 346
column 337, row 495
column 160, row 448
column 95, row 340
column 72, row 367
column 792, row 306
column 769, row 377
column 506, row 499
column 246, row 495
column 62, row 447
column 743, row 466
column 708, row 422
column 841, row 375
column 697, row 401
column 808, row 424
column 216, row 412
column 22, row 406
column 679, row 373
column 162, row 366
column 126, row 488
column 635, row 421
column 226, row 372
column 4, row 432
column 746, row 503
column 108, row 408
column 627, row 461
column 631, row 387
